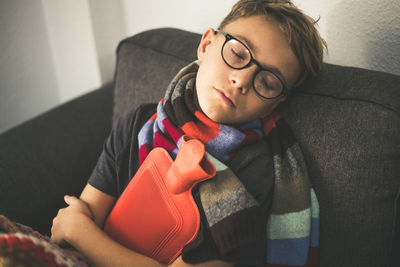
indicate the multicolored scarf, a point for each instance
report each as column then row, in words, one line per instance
column 291, row 228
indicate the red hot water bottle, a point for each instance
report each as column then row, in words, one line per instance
column 156, row 215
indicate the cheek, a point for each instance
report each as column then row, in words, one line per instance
column 265, row 109
column 202, row 86
column 201, row 81
column 212, row 66
column 207, row 76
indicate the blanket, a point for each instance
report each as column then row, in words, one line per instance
column 21, row 246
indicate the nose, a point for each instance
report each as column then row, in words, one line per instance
column 242, row 79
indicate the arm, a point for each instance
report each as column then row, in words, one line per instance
column 180, row 263
column 80, row 224
column 99, row 203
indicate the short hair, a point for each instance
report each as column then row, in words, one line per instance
column 299, row 29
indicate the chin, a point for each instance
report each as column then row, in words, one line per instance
column 214, row 117
column 223, row 120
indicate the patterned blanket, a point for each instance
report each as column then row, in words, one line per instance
column 23, row 247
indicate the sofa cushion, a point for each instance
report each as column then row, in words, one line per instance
column 146, row 64
column 52, row 155
column 347, row 121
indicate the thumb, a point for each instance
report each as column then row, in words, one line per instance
column 69, row 199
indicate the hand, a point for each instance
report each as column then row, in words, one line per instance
column 71, row 221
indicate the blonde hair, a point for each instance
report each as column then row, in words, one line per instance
column 299, row 29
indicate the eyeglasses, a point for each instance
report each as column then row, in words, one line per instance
column 237, row 56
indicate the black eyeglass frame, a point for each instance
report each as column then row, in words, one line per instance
column 228, row 38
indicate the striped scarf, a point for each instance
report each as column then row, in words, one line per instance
column 291, row 228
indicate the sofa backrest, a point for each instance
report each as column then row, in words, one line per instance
column 147, row 62
column 347, row 122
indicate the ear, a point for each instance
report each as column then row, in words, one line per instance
column 207, row 39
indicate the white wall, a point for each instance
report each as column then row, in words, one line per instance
column 27, row 76
column 52, row 51
column 72, row 46
column 109, row 28
column 190, row 15
column 362, row 33
column 48, row 56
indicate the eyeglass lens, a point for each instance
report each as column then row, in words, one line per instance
column 237, row 56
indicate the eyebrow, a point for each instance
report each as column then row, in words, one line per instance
column 253, row 50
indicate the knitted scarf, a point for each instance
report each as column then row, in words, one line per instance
column 291, row 228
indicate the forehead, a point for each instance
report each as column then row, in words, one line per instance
column 268, row 44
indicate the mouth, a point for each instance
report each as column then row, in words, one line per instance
column 226, row 99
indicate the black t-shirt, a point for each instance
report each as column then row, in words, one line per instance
column 119, row 162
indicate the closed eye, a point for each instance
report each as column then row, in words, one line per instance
column 266, row 85
column 240, row 56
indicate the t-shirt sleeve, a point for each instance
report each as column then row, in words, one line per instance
column 105, row 174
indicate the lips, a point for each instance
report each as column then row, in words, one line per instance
column 227, row 100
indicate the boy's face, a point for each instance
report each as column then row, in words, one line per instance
column 226, row 95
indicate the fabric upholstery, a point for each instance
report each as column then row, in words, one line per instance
column 52, row 155
column 348, row 126
column 147, row 63
column 347, row 122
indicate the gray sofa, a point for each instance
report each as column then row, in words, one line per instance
column 347, row 121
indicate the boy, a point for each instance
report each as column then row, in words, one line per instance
column 261, row 51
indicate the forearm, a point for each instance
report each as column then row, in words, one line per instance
column 98, row 202
column 81, row 223
column 75, row 225
column 101, row 250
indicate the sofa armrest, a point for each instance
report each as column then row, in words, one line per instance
column 52, row 155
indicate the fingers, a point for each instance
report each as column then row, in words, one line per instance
column 55, row 236
column 67, row 218
column 79, row 205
